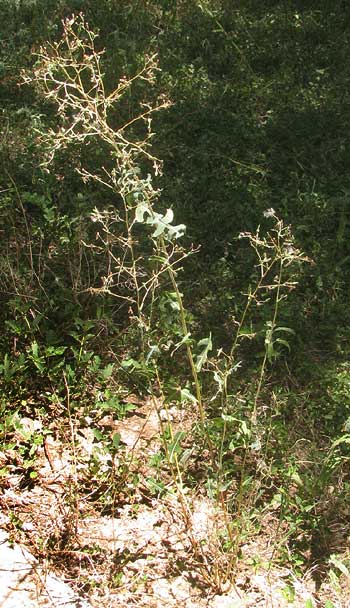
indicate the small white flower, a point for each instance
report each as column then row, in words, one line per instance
column 269, row 212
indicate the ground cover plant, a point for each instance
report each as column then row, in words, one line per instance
column 174, row 352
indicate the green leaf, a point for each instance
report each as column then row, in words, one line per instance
column 159, row 229
column 288, row 593
column 97, row 434
column 186, row 396
column 174, row 447
column 228, row 418
column 168, row 217
column 130, row 363
column 14, row 327
column 5, row 368
column 141, row 209
column 53, row 351
column 185, row 340
column 297, row 479
column 177, row 231
column 206, row 345
column 155, row 487
column 244, row 429
column 335, row 561
column 116, row 440
column 344, row 439
column 107, row 371
column 35, row 348
column 284, row 342
column 162, row 225
column 285, row 329
column 154, row 350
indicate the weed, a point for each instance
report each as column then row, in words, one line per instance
column 137, row 245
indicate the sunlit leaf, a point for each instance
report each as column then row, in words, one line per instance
column 141, row 209
column 206, row 345
column 186, row 396
column 335, row 561
column 174, row 447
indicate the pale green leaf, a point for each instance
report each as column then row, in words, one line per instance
column 168, row 217
column 335, row 561
column 186, row 396
column 116, row 439
column 343, row 439
column 159, row 229
column 206, row 346
column 284, row 342
column 185, row 340
column 141, row 209
column 176, row 231
column 285, row 329
column 174, row 447
column 107, row 371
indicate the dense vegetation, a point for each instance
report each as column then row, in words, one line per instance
column 215, row 278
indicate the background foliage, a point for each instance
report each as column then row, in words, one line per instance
column 258, row 118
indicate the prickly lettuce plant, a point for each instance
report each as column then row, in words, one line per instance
column 135, row 245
